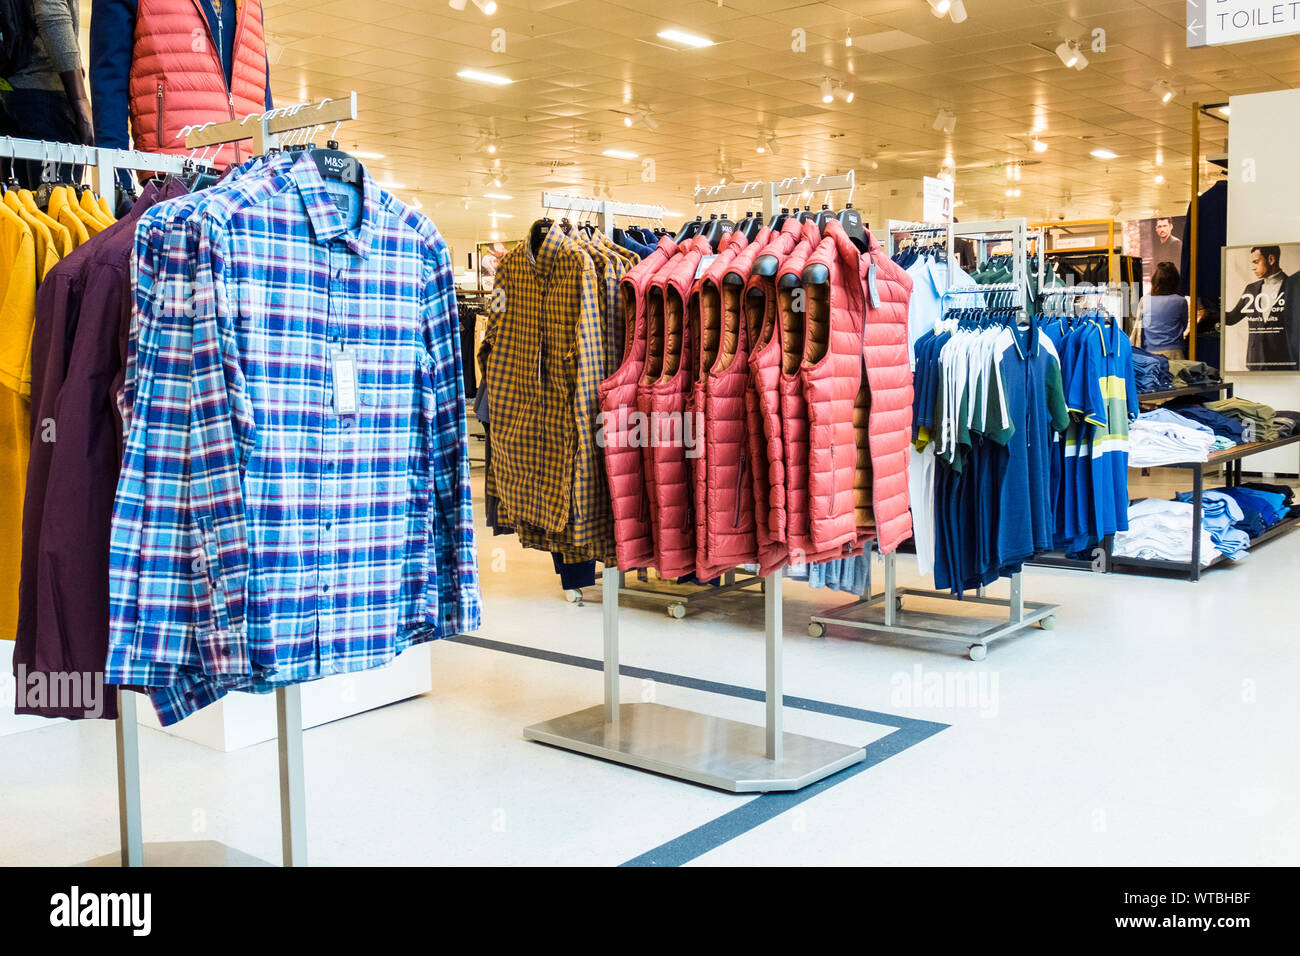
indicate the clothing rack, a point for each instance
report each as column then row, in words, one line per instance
column 726, row 754
column 104, row 160
column 884, row 612
column 900, row 228
column 678, row 595
column 288, row 700
column 771, row 192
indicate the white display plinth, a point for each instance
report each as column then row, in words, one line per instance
column 240, row 720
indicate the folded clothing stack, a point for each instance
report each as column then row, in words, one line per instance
column 1187, row 373
column 1151, row 372
column 1162, row 530
column 1258, row 418
column 1272, row 506
column 1222, row 516
column 1224, row 426
column 1286, row 422
column 1163, row 437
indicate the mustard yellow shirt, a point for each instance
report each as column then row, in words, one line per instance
column 47, row 253
column 106, row 208
column 58, row 232
column 17, row 317
column 68, row 214
column 90, row 206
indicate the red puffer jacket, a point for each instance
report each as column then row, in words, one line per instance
column 177, row 78
column 791, row 330
column 622, row 436
column 663, row 400
column 832, row 375
column 724, row 494
column 883, row 485
column 763, row 398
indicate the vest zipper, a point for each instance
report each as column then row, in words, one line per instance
column 740, row 485
column 241, row 12
column 161, row 144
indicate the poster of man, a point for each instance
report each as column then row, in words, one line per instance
column 1261, row 327
column 1156, row 241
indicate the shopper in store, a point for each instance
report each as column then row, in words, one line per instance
column 1164, row 315
column 1268, row 307
column 46, row 95
column 168, row 64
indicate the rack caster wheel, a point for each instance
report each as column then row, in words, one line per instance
column 816, row 629
column 977, row 652
column 898, row 605
column 1048, row 623
column 677, row 610
column 573, row 596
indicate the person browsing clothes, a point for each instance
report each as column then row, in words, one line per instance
column 1164, row 315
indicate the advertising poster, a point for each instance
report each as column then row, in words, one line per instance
column 1261, row 292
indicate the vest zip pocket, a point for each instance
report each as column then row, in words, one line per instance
column 740, row 484
column 161, row 144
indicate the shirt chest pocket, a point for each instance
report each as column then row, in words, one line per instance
column 388, row 377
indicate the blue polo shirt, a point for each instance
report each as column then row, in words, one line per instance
column 1031, row 379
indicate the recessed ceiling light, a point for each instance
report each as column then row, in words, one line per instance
column 501, row 196
column 478, row 76
column 1159, row 180
column 1164, row 90
column 828, row 92
column 673, row 35
column 627, row 121
column 1104, row 154
column 848, row 38
column 1039, row 145
column 619, row 154
column 940, row 8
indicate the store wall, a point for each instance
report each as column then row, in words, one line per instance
column 1264, row 140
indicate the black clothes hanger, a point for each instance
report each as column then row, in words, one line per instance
column 335, row 164
column 690, row 228
column 718, row 228
column 854, row 227
column 779, row 220
column 824, row 216
column 807, row 214
column 753, row 226
column 537, row 234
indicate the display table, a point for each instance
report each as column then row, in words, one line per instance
column 1231, row 458
column 1155, row 398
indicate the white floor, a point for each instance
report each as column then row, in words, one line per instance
column 1155, row 725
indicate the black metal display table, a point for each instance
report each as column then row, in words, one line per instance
column 1231, row 458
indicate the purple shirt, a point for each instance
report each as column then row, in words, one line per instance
column 83, row 315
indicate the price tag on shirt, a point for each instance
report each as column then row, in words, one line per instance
column 345, row 382
column 871, row 287
column 705, row 262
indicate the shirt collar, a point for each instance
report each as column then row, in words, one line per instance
column 549, row 252
column 326, row 221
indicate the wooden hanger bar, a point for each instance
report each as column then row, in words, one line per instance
column 264, row 129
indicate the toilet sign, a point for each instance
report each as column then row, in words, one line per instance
column 1218, row 22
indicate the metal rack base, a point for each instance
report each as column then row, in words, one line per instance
column 713, row 751
column 679, row 596
column 885, row 613
column 185, row 853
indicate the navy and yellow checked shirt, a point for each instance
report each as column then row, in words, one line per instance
column 260, row 537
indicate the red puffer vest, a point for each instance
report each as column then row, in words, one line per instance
column 791, row 330
column 832, row 375
column 724, row 495
column 662, row 398
column 889, row 381
column 177, row 79
column 763, row 399
column 622, row 436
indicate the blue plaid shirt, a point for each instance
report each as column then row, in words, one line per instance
column 261, row 538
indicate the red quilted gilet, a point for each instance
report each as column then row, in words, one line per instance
column 763, row 401
column 662, row 396
column 883, row 482
column 177, row 79
column 724, row 496
column 622, row 435
column 832, row 374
